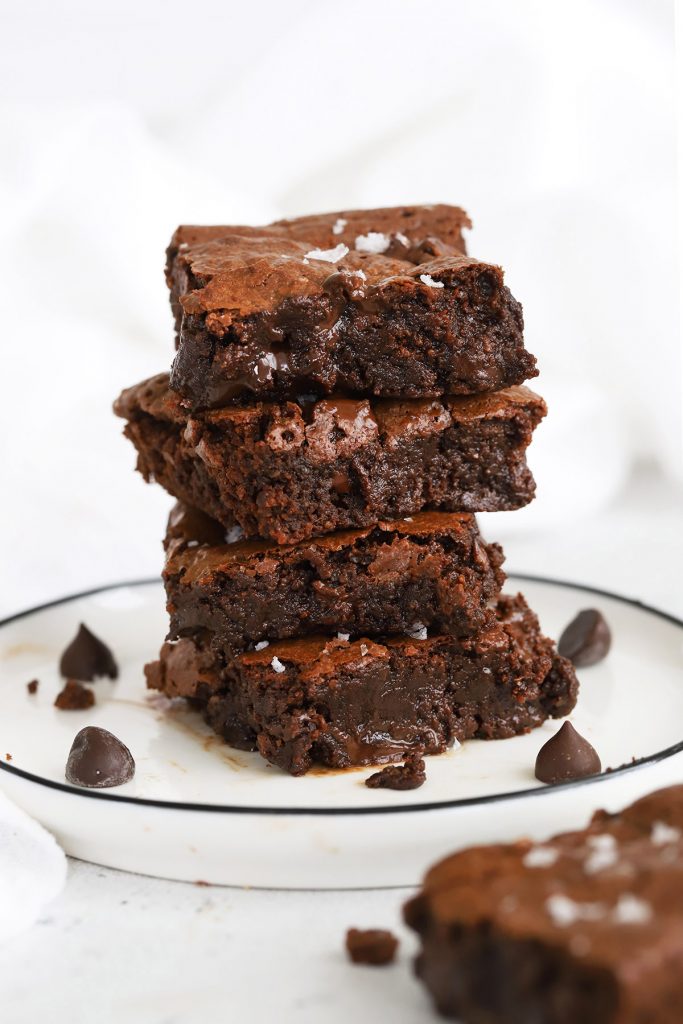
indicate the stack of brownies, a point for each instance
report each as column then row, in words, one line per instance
column 344, row 396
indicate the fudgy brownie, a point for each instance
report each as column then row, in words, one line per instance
column 339, row 703
column 432, row 571
column 291, row 470
column 377, row 302
column 586, row 927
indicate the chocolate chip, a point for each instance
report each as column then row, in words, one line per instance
column 371, row 946
column 587, row 639
column 410, row 775
column 567, row 755
column 87, row 657
column 74, row 697
column 98, row 759
column 32, row 687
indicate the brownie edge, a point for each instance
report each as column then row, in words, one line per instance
column 430, row 571
column 587, row 926
column 292, row 470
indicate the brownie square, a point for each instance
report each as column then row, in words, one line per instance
column 292, row 470
column 432, row 570
column 585, row 927
column 339, row 703
column 371, row 303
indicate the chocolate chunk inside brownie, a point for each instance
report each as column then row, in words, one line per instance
column 431, row 571
column 374, row 303
column 585, row 927
column 340, row 702
column 288, row 471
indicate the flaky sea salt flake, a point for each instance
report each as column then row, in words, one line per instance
column 565, row 912
column 418, row 631
column 631, row 909
column 375, row 242
column 430, row 282
column 540, row 857
column 328, row 255
column 234, row 534
column 339, row 226
column 603, row 853
column 277, row 665
column 663, row 834
column 261, row 645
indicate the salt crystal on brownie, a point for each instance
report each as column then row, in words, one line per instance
column 430, row 282
column 417, row 631
column 631, row 909
column 603, row 853
column 277, row 665
column 339, row 226
column 662, row 834
column 540, row 857
column 328, row 255
column 261, row 645
column 375, row 242
column 234, row 534
column 566, row 912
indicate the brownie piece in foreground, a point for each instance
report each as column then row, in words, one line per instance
column 587, row 927
column 383, row 305
column 287, row 471
column 432, row 570
column 339, row 703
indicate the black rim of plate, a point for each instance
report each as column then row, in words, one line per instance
column 443, row 805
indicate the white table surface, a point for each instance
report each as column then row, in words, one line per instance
column 119, row 947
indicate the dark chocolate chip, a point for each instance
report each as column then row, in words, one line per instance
column 32, row 687
column 567, row 755
column 371, row 946
column 410, row 775
column 87, row 657
column 74, row 697
column 587, row 639
column 98, row 759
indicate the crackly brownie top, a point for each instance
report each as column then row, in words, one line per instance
column 611, row 892
column 197, row 546
column 225, row 274
column 333, row 427
column 390, row 231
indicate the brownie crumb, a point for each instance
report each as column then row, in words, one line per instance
column 8, row 757
column 410, row 775
column 32, row 687
column 74, row 697
column 371, row 946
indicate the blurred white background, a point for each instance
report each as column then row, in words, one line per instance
column 551, row 123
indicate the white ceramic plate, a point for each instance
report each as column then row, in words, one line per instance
column 199, row 810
